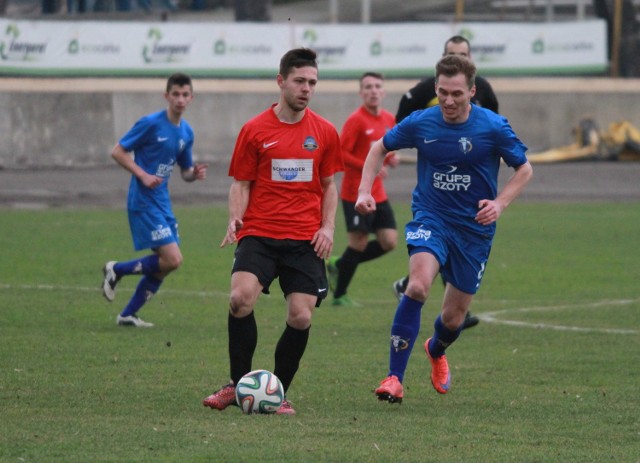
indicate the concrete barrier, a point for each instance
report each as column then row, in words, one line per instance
column 75, row 122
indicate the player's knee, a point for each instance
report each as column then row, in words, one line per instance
column 388, row 245
column 174, row 262
column 238, row 304
column 417, row 290
column 452, row 319
column 300, row 320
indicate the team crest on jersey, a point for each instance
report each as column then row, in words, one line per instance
column 310, row 144
column 181, row 145
column 465, row 145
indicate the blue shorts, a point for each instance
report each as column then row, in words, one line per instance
column 152, row 229
column 462, row 254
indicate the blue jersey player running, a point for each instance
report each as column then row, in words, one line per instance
column 159, row 141
column 455, row 206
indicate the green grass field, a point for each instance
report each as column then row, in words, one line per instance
column 551, row 375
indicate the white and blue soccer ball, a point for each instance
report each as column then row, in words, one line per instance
column 259, row 391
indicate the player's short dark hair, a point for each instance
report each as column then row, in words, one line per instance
column 297, row 58
column 457, row 39
column 180, row 79
column 376, row 75
column 451, row 65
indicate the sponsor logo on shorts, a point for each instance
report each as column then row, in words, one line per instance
column 419, row 234
column 161, row 233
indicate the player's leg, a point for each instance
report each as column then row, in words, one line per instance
column 447, row 327
column 423, row 268
column 254, row 268
column 149, row 230
column 470, row 320
column 252, row 273
column 169, row 258
column 159, row 232
column 243, row 335
column 342, row 268
column 303, row 281
column 293, row 341
column 463, row 273
column 347, row 264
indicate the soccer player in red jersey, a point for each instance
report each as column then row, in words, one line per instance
column 363, row 127
column 282, row 206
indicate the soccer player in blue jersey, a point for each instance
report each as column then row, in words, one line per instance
column 455, row 206
column 159, row 141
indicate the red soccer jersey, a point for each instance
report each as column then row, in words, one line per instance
column 285, row 164
column 360, row 131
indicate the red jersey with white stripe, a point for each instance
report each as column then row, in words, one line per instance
column 285, row 163
column 360, row 131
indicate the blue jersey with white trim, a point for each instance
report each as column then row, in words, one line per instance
column 158, row 146
column 457, row 163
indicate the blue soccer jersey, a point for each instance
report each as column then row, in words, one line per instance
column 457, row 163
column 158, row 146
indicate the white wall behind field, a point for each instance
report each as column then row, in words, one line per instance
column 75, row 122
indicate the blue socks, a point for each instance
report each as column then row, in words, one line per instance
column 148, row 265
column 404, row 331
column 147, row 287
column 442, row 337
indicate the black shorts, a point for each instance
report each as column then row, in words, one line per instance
column 293, row 262
column 382, row 218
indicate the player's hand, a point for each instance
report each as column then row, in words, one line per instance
column 489, row 212
column 323, row 242
column 151, row 181
column 365, row 204
column 234, row 226
column 392, row 159
column 200, row 171
column 383, row 173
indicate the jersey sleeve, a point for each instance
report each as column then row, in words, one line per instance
column 137, row 135
column 512, row 150
column 244, row 161
column 185, row 158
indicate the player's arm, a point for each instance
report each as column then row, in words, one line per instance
column 372, row 165
column 490, row 211
column 123, row 158
column 323, row 239
column 196, row 172
column 238, row 202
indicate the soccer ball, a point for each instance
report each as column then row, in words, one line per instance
column 259, row 391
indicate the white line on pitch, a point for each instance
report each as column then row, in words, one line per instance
column 491, row 317
column 49, row 287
